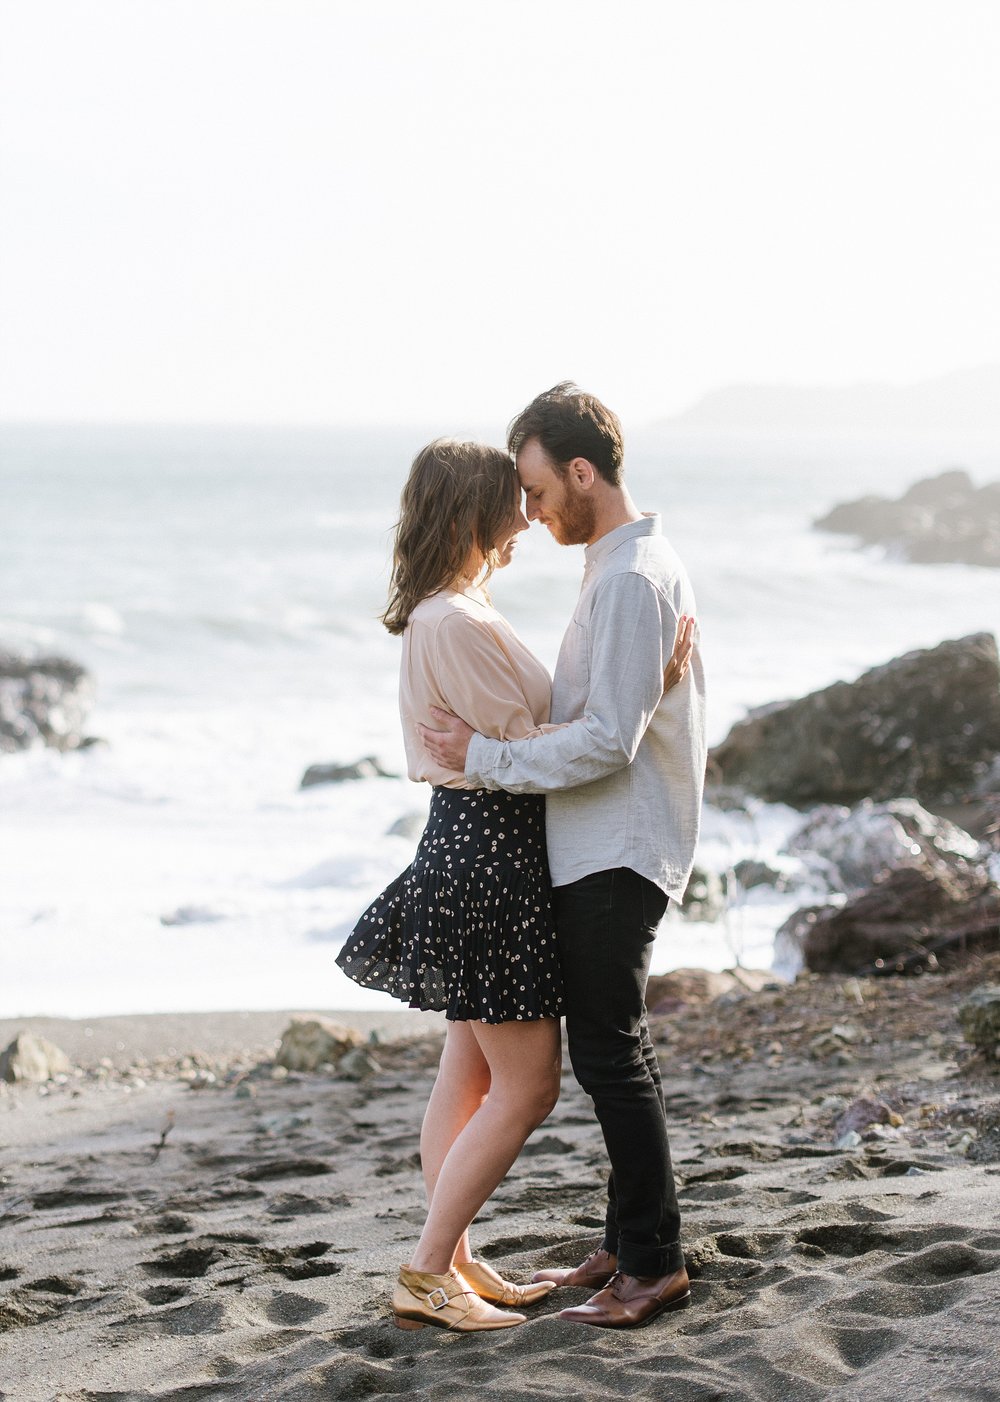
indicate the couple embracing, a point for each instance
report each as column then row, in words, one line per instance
column 563, row 818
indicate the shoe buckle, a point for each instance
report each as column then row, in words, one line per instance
column 438, row 1304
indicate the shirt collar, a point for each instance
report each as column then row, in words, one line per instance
column 649, row 525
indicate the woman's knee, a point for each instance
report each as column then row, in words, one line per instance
column 534, row 1098
column 525, row 1065
column 547, row 1093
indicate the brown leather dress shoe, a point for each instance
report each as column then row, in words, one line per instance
column 590, row 1274
column 631, row 1300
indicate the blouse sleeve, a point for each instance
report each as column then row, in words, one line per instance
column 478, row 681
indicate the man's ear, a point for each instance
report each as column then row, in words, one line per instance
column 583, row 473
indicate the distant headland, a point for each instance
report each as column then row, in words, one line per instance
column 966, row 401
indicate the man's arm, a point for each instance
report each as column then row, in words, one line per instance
column 627, row 629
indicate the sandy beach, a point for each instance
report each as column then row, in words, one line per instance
column 182, row 1220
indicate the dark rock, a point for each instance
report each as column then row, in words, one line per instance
column 926, row 724
column 704, row 897
column 790, row 938
column 905, row 923
column 367, row 768
column 358, row 1064
column 871, row 518
column 979, row 1017
column 862, row 1113
column 939, row 520
column 750, row 873
column 666, row 993
column 952, row 485
column 849, row 848
column 192, row 915
column 43, row 701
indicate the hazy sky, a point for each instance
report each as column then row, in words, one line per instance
column 431, row 209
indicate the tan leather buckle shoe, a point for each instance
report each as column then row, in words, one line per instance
column 631, row 1300
column 421, row 1297
column 590, row 1274
column 491, row 1286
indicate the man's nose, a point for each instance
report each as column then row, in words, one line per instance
column 531, row 510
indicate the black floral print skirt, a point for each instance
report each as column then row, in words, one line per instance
column 468, row 926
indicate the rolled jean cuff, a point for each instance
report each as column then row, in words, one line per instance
column 650, row 1263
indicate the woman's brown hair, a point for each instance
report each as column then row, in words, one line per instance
column 458, row 498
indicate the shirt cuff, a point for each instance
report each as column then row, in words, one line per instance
column 481, row 758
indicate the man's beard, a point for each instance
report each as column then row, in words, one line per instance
column 576, row 519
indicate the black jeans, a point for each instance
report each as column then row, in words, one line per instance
column 606, row 924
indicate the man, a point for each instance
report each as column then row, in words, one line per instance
column 624, row 785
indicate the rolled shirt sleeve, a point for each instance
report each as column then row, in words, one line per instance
column 631, row 631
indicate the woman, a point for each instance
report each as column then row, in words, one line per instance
column 468, row 927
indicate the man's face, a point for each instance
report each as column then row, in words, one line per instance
column 558, row 502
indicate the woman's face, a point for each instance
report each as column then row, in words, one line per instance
column 506, row 544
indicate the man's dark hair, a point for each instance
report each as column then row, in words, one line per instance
column 571, row 424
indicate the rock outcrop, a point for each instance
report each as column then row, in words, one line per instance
column 311, row 1042
column 979, row 1017
column 848, row 849
column 667, row 993
column 906, row 923
column 367, row 768
column 31, row 1058
column 943, row 519
column 43, row 701
column 926, row 725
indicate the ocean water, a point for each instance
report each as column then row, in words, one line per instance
column 223, row 585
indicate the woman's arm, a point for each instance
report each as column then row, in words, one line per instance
column 478, row 680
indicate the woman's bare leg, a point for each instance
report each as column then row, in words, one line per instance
column 524, row 1061
column 463, row 1080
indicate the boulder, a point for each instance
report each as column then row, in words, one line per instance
column 790, row 939
column 940, row 519
column 31, row 1058
column 358, row 1064
column 666, row 993
column 750, row 872
column 905, row 923
column 979, row 1017
column 925, row 725
column 308, row 1043
column 192, row 915
column 43, row 701
column 862, row 1113
column 847, row 849
column 704, row 897
column 367, row 768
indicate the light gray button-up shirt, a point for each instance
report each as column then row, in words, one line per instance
column 625, row 779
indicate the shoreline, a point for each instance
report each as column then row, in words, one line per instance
column 125, row 1038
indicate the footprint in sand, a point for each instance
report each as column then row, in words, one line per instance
column 288, row 1308
column 943, row 1261
column 38, row 1300
column 193, row 1317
